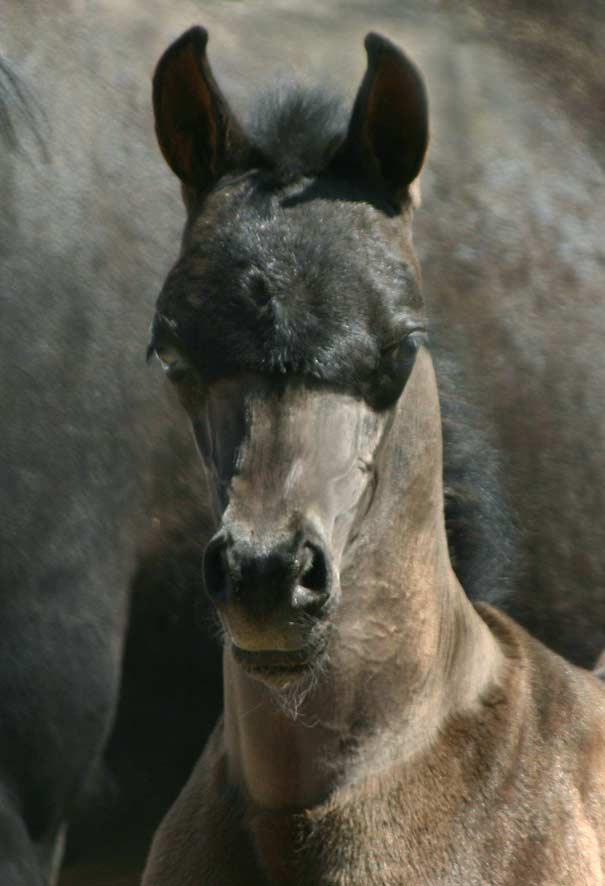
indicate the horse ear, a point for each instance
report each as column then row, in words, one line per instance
column 198, row 135
column 388, row 132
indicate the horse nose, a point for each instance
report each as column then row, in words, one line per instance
column 262, row 577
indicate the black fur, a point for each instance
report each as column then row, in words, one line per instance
column 481, row 526
column 297, row 130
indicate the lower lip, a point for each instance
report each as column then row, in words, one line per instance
column 275, row 663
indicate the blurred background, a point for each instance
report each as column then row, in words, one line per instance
column 112, row 676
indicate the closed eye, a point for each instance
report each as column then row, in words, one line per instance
column 173, row 363
column 411, row 340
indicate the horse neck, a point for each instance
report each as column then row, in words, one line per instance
column 407, row 647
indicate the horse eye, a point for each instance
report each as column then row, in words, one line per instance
column 177, row 372
column 400, row 358
column 396, row 364
column 173, row 363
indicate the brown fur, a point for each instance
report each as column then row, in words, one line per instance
column 510, row 793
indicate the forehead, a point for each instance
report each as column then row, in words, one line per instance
column 303, row 280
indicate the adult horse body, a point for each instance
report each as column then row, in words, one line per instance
column 377, row 728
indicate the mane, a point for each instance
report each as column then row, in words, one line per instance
column 482, row 533
column 297, row 128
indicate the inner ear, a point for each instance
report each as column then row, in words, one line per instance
column 197, row 132
column 388, row 133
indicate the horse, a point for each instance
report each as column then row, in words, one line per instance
column 379, row 727
column 108, row 687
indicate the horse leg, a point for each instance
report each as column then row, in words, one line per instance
column 51, row 855
column 202, row 839
column 19, row 864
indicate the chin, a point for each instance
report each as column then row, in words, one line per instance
column 285, row 670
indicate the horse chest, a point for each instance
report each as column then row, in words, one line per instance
column 374, row 842
column 277, row 840
column 400, row 837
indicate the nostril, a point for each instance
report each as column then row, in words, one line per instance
column 312, row 589
column 215, row 571
column 314, row 575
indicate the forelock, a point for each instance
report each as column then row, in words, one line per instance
column 297, row 128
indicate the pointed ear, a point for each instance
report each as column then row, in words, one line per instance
column 198, row 135
column 388, row 134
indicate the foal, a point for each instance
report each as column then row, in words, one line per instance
column 378, row 728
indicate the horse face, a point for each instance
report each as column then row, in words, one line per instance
column 292, row 470
column 290, row 324
column 289, row 350
column 293, row 467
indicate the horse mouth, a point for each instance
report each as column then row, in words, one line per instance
column 278, row 666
